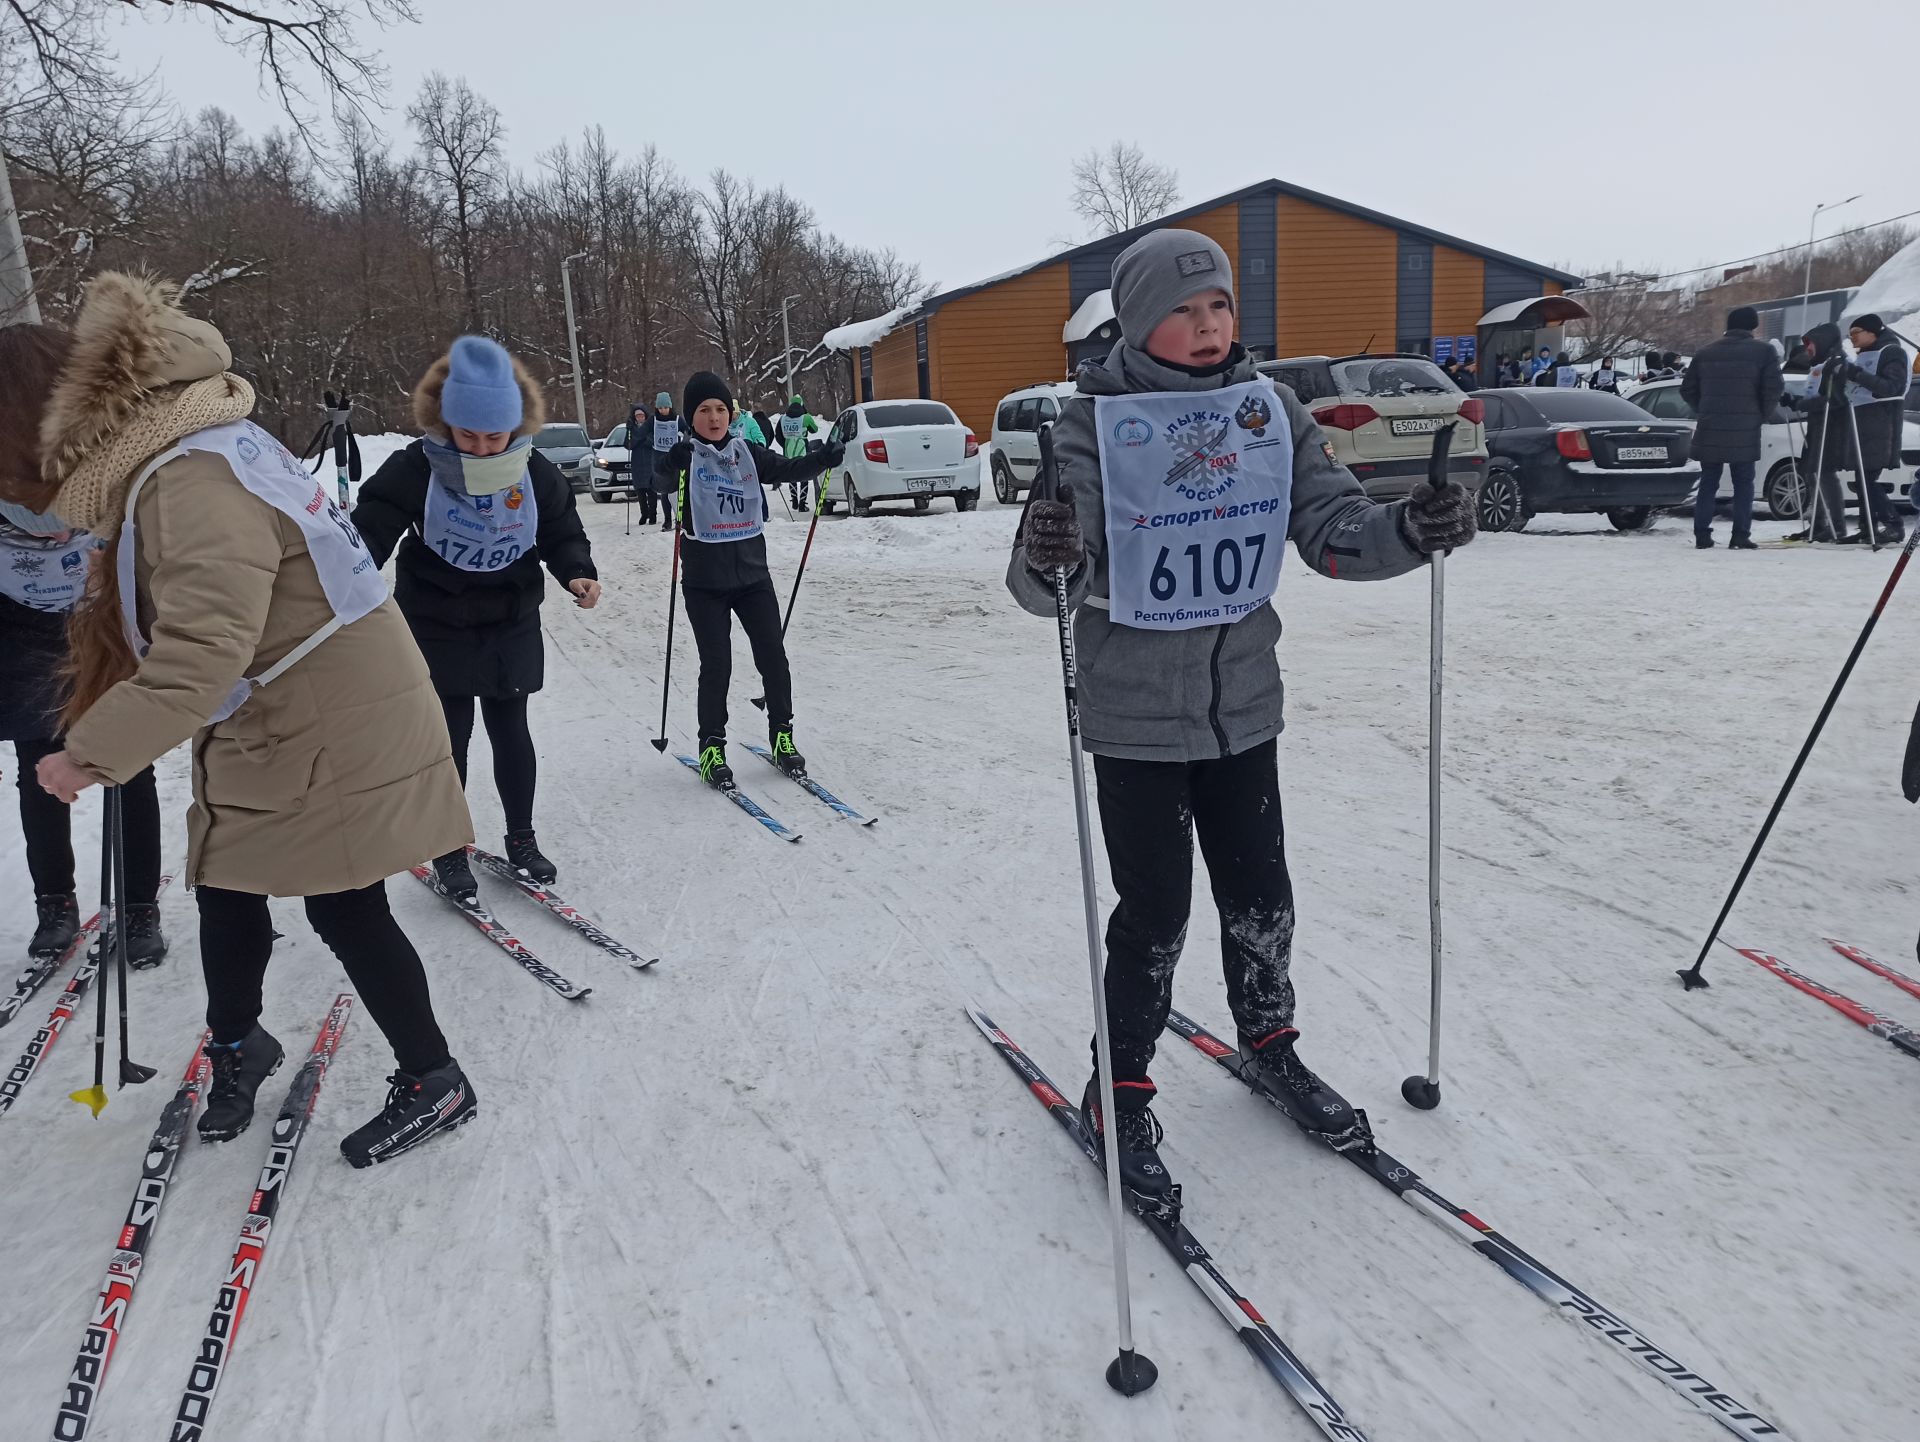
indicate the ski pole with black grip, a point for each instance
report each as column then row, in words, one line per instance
column 1691, row 976
column 1131, row 1371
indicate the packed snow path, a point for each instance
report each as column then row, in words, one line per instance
column 778, row 1187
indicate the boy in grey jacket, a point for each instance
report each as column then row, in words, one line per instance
column 1182, row 474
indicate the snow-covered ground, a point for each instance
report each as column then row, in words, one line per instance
column 778, row 1187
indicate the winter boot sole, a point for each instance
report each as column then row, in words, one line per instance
column 360, row 1164
column 207, row 1136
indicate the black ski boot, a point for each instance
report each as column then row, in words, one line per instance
column 455, row 875
column 713, row 763
column 238, row 1072
column 785, row 754
column 146, row 947
column 1316, row 1108
column 1143, row 1176
column 417, row 1107
column 58, row 924
column 523, row 854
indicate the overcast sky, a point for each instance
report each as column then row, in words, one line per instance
column 1664, row 135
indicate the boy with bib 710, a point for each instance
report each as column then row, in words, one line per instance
column 1182, row 475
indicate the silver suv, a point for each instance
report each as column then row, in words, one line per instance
column 1379, row 413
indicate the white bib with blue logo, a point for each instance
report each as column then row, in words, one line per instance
column 666, row 434
column 45, row 575
column 723, row 492
column 1199, row 486
column 269, row 471
column 480, row 533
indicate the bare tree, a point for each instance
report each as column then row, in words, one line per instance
column 1118, row 188
column 461, row 134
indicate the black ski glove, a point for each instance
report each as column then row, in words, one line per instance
column 1052, row 535
column 676, row 460
column 1439, row 512
column 832, row 453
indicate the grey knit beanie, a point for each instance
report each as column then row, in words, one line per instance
column 1157, row 272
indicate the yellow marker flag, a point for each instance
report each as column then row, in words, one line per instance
column 93, row 1098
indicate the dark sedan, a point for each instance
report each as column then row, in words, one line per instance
column 568, row 447
column 1575, row 451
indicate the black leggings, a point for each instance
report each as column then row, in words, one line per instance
column 236, row 941
column 47, row 823
column 514, row 766
column 1149, row 811
column 709, row 613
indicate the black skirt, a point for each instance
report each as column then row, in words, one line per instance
column 497, row 661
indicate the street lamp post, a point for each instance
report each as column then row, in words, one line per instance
column 1806, row 294
column 573, row 337
column 786, row 341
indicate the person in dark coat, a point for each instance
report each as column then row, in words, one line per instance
column 650, row 437
column 475, row 511
column 723, row 566
column 1733, row 386
column 43, row 572
column 640, row 460
column 1829, row 408
column 1464, row 377
column 1877, row 380
column 1605, row 377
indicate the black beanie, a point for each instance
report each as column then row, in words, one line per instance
column 704, row 386
column 1743, row 317
column 1869, row 322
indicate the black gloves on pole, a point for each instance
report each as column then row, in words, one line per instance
column 1439, row 512
column 1051, row 533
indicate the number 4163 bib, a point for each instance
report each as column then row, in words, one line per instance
column 1199, row 486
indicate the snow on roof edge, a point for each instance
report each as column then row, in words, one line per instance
column 860, row 333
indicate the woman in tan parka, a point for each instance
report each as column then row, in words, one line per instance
column 320, row 758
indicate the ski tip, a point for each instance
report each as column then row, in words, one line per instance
column 579, row 993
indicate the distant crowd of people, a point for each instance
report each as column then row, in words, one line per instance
column 1552, row 369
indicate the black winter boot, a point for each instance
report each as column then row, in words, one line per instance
column 523, row 854
column 238, row 1071
column 417, row 1107
column 713, row 763
column 146, row 947
column 455, row 875
column 785, row 754
column 58, row 923
column 1144, row 1177
column 1315, row 1107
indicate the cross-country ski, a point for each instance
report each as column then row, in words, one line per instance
column 1418, row 601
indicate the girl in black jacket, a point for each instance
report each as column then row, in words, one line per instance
column 723, row 566
column 479, row 511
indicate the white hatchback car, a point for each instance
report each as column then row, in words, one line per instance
column 612, row 468
column 1780, row 440
column 903, row 451
column 1017, row 423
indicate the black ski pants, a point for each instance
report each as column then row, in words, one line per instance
column 47, row 824
column 236, row 942
column 515, row 767
column 649, row 503
column 758, row 608
column 1150, row 811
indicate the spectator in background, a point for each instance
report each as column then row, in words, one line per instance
column 1733, row 386
column 1559, row 374
column 1509, row 371
column 1605, row 377
column 1877, row 387
column 1464, row 377
column 1543, row 361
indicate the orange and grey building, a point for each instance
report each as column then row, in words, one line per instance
column 1313, row 276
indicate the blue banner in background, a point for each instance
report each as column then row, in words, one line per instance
column 1467, row 344
column 1443, row 347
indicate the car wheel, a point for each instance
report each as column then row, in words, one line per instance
column 1630, row 518
column 600, row 498
column 1004, row 490
column 855, row 504
column 1784, row 491
column 1502, row 503
column 966, row 501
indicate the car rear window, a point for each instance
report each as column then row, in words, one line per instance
column 1577, row 405
column 910, row 413
column 1390, row 376
column 557, row 436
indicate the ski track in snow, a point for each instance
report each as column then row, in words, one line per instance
column 778, row 1187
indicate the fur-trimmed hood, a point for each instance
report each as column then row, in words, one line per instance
column 142, row 373
column 426, row 401
column 130, row 339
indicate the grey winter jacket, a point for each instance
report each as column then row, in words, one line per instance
column 1213, row 691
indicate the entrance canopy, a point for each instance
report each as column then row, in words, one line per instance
column 1532, row 314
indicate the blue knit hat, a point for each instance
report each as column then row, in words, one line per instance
column 663, row 401
column 482, row 393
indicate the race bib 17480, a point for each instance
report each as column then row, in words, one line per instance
column 1199, row 486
